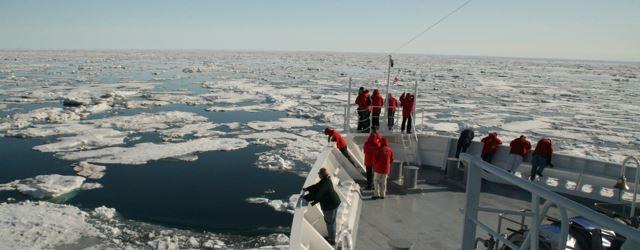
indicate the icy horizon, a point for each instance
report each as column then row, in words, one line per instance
column 381, row 54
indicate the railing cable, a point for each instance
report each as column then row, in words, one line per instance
column 431, row 26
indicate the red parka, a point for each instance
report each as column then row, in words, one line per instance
column 407, row 100
column 544, row 148
column 376, row 101
column 393, row 103
column 335, row 136
column 371, row 148
column 382, row 164
column 520, row 146
column 491, row 143
column 363, row 101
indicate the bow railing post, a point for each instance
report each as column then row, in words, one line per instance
column 471, row 206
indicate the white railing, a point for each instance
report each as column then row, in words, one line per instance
column 351, row 110
column 475, row 174
column 308, row 227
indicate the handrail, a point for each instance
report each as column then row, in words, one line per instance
column 383, row 122
column 475, row 165
column 623, row 170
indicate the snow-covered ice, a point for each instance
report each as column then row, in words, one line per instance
column 279, row 205
column 43, row 225
column 44, row 186
column 91, row 171
column 282, row 123
column 142, row 153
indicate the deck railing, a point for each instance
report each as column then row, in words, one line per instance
column 476, row 166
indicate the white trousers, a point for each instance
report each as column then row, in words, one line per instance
column 514, row 162
column 380, row 184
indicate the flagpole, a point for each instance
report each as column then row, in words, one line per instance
column 386, row 96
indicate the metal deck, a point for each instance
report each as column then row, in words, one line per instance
column 431, row 219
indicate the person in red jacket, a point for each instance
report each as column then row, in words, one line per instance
column 391, row 111
column 490, row 146
column 341, row 144
column 407, row 100
column 520, row 147
column 364, row 102
column 382, row 167
column 541, row 157
column 376, row 107
column 371, row 148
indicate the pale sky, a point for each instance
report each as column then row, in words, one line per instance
column 575, row 29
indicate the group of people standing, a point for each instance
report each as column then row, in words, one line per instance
column 378, row 157
column 370, row 106
column 519, row 148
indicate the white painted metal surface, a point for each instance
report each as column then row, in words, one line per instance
column 308, row 228
column 477, row 165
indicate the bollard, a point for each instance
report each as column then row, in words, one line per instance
column 396, row 170
column 410, row 177
column 400, row 244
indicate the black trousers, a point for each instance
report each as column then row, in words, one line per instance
column 369, row 178
column 487, row 157
column 462, row 147
column 391, row 120
column 375, row 122
column 406, row 120
column 346, row 154
column 363, row 121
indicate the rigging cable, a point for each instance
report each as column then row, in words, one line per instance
column 431, row 26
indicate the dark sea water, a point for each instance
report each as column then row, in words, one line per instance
column 207, row 194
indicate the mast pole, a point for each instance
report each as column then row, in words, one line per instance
column 347, row 126
column 386, row 96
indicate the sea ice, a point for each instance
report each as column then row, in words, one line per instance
column 282, row 123
column 144, row 152
column 85, row 140
column 278, row 205
column 148, row 122
column 444, row 126
column 523, row 126
column 44, row 186
column 103, row 212
column 42, row 225
column 91, row 171
column 198, row 130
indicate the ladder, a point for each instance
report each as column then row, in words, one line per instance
column 410, row 148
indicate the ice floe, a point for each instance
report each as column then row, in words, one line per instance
column 88, row 170
column 85, row 140
column 44, row 186
column 43, row 225
column 282, row 123
column 144, row 152
column 278, row 205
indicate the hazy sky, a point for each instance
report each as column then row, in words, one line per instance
column 582, row 29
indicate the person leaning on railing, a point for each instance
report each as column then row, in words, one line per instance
column 490, row 146
column 464, row 141
column 341, row 144
column 519, row 148
column 541, row 157
column 323, row 193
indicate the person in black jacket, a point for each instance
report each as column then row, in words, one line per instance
column 323, row 193
column 466, row 137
